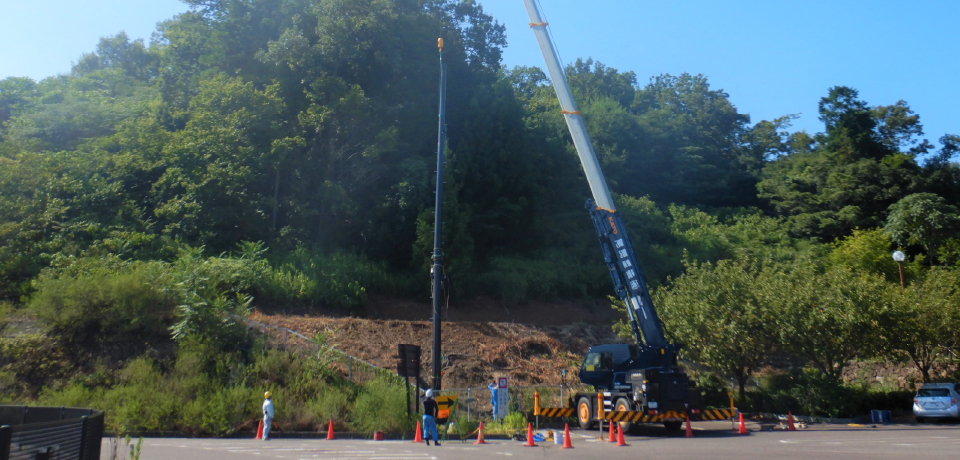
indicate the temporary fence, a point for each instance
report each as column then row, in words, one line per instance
column 63, row 433
column 475, row 402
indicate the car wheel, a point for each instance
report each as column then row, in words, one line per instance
column 584, row 413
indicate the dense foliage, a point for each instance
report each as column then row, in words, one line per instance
column 309, row 126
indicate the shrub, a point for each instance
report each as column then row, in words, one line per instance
column 210, row 290
column 30, row 362
column 381, row 405
column 220, row 412
column 807, row 391
column 339, row 280
column 124, row 304
column 460, row 426
column 76, row 395
column 142, row 401
column 332, row 403
column 514, row 421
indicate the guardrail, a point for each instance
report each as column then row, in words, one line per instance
column 39, row 433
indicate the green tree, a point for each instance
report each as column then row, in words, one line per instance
column 922, row 219
column 119, row 52
column 830, row 317
column 692, row 141
column 723, row 313
column 17, row 94
column 865, row 251
column 926, row 312
column 216, row 189
column 846, row 178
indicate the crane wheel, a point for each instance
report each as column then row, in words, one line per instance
column 584, row 412
column 622, row 405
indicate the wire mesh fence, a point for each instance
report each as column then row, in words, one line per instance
column 476, row 402
column 352, row 368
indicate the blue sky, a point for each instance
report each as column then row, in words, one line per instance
column 773, row 58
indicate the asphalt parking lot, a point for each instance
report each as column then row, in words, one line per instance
column 711, row 440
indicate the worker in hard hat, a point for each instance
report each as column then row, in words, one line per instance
column 267, row 415
column 430, row 413
column 493, row 397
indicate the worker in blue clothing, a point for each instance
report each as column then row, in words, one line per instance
column 430, row 413
column 493, row 397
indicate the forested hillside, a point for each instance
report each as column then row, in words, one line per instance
column 282, row 152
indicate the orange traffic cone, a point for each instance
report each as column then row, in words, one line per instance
column 480, row 435
column 330, row 430
column 790, row 426
column 743, row 426
column 260, row 430
column 530, row 436
column 566, row 437
column 612, row 437
column 620, row 441
column 418, row 437
column 689, row 429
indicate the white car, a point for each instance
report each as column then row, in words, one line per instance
column 936, row 400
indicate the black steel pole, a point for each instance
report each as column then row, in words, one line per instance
column 437, row 255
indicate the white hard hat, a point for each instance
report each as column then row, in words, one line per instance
column 429, row 393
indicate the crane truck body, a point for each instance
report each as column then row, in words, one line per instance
column 642, row 379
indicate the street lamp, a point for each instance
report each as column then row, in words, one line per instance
column 899, row 256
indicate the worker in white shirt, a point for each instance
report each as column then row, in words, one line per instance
column 267, row 415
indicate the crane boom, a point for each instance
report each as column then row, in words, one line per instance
column 581, row 140
column 617, row 249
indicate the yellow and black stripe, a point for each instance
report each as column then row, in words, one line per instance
column 716, row 414
column 631, row 416
column 556, row 412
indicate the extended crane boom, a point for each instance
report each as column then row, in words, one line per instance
column 642, row 382
column 617, row 249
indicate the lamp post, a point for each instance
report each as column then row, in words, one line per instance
column 436, row 271
column 899, row 256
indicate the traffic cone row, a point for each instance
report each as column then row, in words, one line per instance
column 612, row 437
column 620, row 441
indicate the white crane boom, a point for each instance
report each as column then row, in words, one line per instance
column 581, row 140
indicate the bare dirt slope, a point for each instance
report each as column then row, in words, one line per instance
column 480, row 339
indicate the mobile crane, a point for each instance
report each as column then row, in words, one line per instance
column 642, row 379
